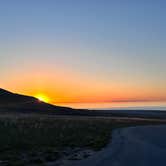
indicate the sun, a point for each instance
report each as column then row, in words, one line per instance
column 42, row 97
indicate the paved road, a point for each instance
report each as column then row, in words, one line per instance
column 134, row 146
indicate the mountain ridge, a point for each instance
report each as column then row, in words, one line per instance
column 22, row 103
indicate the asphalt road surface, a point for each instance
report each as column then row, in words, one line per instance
column 133, row 146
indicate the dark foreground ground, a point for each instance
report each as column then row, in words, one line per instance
column 138, row 146
column 32, row 139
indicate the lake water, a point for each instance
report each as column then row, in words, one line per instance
column 119, row 105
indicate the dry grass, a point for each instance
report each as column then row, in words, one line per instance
column 36, row 133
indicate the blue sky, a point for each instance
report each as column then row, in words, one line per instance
column 120, row 43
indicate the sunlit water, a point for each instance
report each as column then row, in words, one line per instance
column 119, row 105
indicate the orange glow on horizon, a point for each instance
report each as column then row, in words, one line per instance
column 66, row 86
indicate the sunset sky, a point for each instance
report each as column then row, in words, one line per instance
column 84, row 51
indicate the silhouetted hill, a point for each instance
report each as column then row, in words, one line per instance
column 15, row 102
column 7, row 97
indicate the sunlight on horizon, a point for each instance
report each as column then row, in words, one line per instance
column 42, row 97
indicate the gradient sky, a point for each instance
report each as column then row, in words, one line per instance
column 84, row 50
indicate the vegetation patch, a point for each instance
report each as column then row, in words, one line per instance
column 39, row 139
